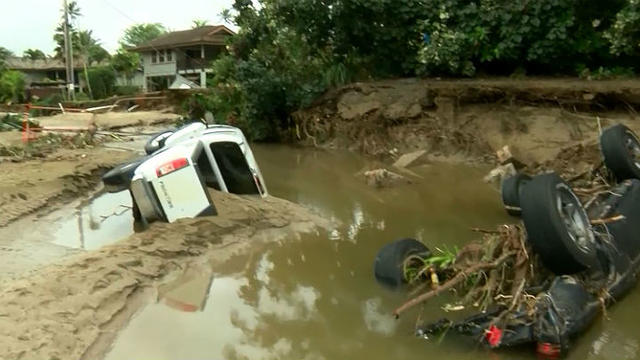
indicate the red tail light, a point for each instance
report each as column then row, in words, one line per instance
column 171, row 166
column 549, row 350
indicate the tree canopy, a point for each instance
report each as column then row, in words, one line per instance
column 139, row 34
column 198, row 23
column 287, row 52
column 34, row 54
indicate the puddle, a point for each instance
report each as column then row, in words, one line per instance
column 36, row 240
column 87, row 225
column 104, row 220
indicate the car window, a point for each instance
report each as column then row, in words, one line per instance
column 206, row 171
column 234, row 168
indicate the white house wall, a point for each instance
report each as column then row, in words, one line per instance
column 167, row 68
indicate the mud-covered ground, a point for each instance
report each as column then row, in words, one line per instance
column 71, row 309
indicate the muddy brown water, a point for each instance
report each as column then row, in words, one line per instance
column 315, row 298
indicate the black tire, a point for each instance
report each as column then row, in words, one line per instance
column 511, row 191
column 557, row 225
column 621, row 151
column 157, row 142
column 388, row 267
column 119, row 178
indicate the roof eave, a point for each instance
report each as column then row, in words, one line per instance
column 176, row 45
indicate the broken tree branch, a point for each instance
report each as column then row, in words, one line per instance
column 451, row 283
column 607, row 220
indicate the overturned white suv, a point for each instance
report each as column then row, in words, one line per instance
column 173, row 181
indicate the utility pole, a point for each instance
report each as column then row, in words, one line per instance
column 68, row 54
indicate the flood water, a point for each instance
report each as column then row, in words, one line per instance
column 315, row 298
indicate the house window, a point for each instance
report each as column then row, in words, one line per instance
column 169, row 55
column 153, row 57
column 161, row 56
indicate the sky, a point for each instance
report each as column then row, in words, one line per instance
column 29, row 24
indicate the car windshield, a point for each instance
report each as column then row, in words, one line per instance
column 234, row 168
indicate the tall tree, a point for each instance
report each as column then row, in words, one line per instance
column 34, row 54
column 141, row 33
column 128, row 62
column 74, row 12
column 198, row 23
column 4, row 54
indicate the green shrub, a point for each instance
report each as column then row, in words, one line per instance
column 102, row 80
column 11, row 86
column 624, row 35
column 127, row 90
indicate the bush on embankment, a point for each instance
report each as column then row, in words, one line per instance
column 288, row 52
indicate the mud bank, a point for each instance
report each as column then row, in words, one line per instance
column 71, row 310
column 468, row 119
column 28, row 186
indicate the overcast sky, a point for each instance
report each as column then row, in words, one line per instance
column 31, row 23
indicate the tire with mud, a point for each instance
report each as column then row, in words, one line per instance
column 511, row 190
column 389, row 264
column 119, row 178
column 557, row 225
column 157, row 142
column 621, row 151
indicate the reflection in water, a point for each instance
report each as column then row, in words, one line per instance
column 316, row 299
column 102, row 221
column 378, row 319
column 613, row 344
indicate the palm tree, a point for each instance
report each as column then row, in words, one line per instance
column 198, row 23
column 34, row 54
column 84, row 44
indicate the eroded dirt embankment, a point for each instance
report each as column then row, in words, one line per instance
column 472, row 119
column 27, row 186
column 65, row 310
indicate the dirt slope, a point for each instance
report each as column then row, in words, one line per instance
column 469, row 119
column 67, row 310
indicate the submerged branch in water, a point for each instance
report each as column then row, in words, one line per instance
column 453, row 282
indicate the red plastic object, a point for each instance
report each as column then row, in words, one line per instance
column 493, row 336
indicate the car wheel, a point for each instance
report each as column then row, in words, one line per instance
column 511, row 191
column 157, row 142
column 119, row 178
column 621, row 151
column 557, row 225
column 389, row 263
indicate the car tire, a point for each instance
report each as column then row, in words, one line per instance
column 511, row 190
column 119, row 178
column 557, row 225
column 389, row 263
column 157, row 142
column 621, row 151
